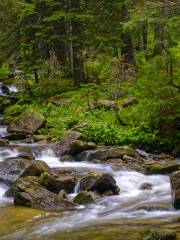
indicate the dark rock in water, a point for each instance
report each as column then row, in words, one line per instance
column 63, row 147
column 79, row 146
column 29, row 193
column 175, row 189
column 161, row 168
column 15, row 136
column 83, row 198
column 12, row 169
column 157, row 235
column 5, row 90
column 145, row 186
column 87, row 182
column 105, row 153
column 57, row 183
column 27, row 122
column 105, row 184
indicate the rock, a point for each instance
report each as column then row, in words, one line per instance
column 12, row 169
column 107, row 104
column 129, row 102
column 31, row 194
column 79, row 146
column 105, row 153
column 15, row 136
column 161, row 168
column 83, row 198
column 145, row 186
column 3, row 142
column 63, row 195
column 26, row 155
column 87, row 182
column 62, row 147
column 105, row 184
column 150, row 234
column 27, row 122
column 38, row 138
column 5, row 90
column 175, row 189
column 67, row 158
column 57, row 183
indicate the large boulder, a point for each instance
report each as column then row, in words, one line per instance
column 27, row 122
column 151, row 234
column 12, row 169
column 175, row 188
column 105, row 153
column 29, row 193
column 79, row 146
column 57, row 183
column 105, row 183
column 161, row 168
column 63, row 147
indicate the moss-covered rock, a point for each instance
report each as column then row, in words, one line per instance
column 57, row 183
column 28, row 192
column 27, row 122
column 63, row 147
column 105, row 153
column 157, row 235
column 161, row 168
column 79, row 146
column 87, row 182
column 83, row 198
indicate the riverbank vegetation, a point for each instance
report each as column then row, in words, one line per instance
column 109, row 69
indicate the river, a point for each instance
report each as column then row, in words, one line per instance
column 113, row 217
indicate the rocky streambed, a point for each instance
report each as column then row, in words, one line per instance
column 76, row 189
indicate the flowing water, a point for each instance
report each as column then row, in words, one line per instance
column 113, row 217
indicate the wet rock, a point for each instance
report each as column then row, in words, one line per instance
column 79, row 146
column 29, row 193
column 57, row 183
column 105, row 153
column 5, row 90
column 63, row 147
column 104, row 184
column 3, row 142
column 145, row 186
column 150, row 234
column 83, row 198
column 87, row 182
column 26, row 155
column 27, row 122
column 63, row 195
column 67, row 158
column 175, row 189
column 15, row 136
column 161, row 168
column 12, row 169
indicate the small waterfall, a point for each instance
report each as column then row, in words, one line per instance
column 77, row 187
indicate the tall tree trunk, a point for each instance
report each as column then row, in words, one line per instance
column 127, row 49
column 77, row 48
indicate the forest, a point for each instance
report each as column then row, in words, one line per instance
column 90, row 93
